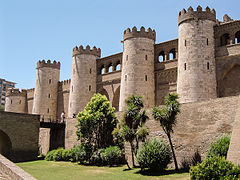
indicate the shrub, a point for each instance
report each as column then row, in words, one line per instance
column 187, row 162
column 55, row 155
column 154, row 155
column 219, row 147
column 96, row 157
column 113, row 155
column 233, row 174
column 211, row 168
column 79, row 154
column 196, row 158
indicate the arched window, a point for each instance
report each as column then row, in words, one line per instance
column 110, row 68
column 172, row 54
column 102, row 70
column 225, row 39
column 161, row 56
column 237, row 37
column 118, row 66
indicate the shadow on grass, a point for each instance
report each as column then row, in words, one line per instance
column 158, row 173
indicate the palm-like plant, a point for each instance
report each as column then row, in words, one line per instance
column 167, row 118
column 133, row 123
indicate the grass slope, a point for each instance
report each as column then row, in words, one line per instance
column 49, row 170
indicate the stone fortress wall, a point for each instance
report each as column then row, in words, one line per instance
column 220, row 42
column 203, row 64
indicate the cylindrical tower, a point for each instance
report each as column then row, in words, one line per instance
column 16, row 100
column 46, row 90
column 196, row 60
column 137, row 75
column 83, row 78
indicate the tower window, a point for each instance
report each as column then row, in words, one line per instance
column 145, row 77
column 20, row 102
column 126, row 57
column 90, row 71
column 89, row 88
column 48, row 110
column 161, row 56
column 11, row 101
column 208, row 65
column 185, row 43
column 185, row 66
column 146, row 57
column 207, row 41
column 49, row 95
column 50, row 81
column 125, row 77
column 72, row 88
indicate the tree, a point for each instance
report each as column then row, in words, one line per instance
column 167, row 118
column 132, row 128
column 96, row 123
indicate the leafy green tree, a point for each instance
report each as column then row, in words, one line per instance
column 132, row 128
column 167, row 117
column 96, row 123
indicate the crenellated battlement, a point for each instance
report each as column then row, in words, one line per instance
column 80, row 50
column 133, row 33
column 16, row 92
column 65, row 82
column 54, row 64
column 190, row 14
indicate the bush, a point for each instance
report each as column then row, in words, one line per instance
column 233, row 174
column 113, row 155
column 79, row 154
column 96, row 158
column 55, row 155
column 219, row 147
column 211, row 168
column 154, row 155
column 187, row 162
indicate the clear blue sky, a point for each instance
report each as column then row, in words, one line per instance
column 49, row 29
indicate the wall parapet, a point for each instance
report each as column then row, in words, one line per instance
column 16, row 92
column 190, row 14
column 80, row 50
column 54, row 64
column 134, row 33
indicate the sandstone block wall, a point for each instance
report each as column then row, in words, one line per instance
column 22, row 132
column 83, row 82
column 9, row 170
column 234, row 148
column 196, row 61
column 137, row 71
column 198, row 125
column 46, row 90
column 70, row 133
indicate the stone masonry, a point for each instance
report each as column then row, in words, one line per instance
column 201, row 65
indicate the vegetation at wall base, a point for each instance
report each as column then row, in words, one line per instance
column 96, row 123
column 111, row 156
column 220, row 147
column 132, row 128
column 154, row 155
column 215, row 168
column 167, row 117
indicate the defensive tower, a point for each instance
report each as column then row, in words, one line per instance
column 196, row 60
column 46, row 89
column 138, row 66
column 16, row 100
column 83, row 78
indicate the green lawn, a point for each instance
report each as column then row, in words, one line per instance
column 49, row 170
